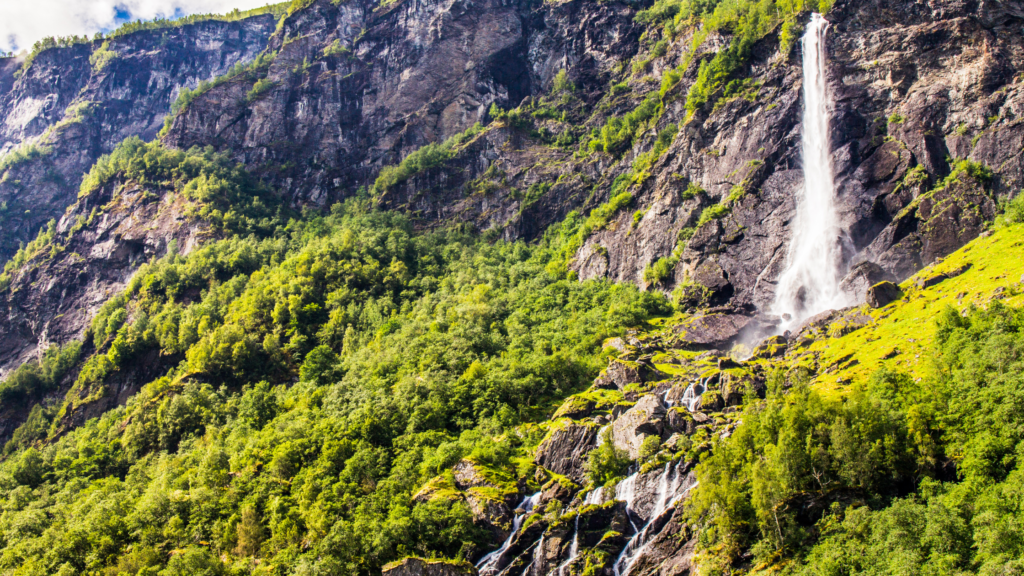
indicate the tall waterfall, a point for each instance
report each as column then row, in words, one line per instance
column 810, row 283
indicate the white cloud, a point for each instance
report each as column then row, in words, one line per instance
column 23, row 22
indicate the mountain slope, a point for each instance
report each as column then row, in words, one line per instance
column 435, row 288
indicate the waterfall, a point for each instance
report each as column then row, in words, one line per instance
column 574, row 549
column 691, row 396
column 625, row 491
column 810, row 283
column 489, row 563
column 538, row 556
column 668, row 486
column 595, row 497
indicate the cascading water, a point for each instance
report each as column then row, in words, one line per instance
column 667, row 497
column 574, row 548
column 489, row 563
column 810, row 283
column 595, row 497
column 538, row 555
column 625, row 491
column 691, row 396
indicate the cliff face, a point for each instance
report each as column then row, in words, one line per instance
column 74, row 104
column 913, row 86
column 356, row 86
column 916, row 88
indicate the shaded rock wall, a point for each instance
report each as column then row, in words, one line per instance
column 395, row 79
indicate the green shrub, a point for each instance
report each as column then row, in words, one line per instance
column 424, row 158
column 336, row 49
column 102, row 57
column 714, row 212
column 661, row 270
column 649, row 449
column 606, row 464
column 789, row 35
column 262, row 86
column 1013, row 211
column 693, row 190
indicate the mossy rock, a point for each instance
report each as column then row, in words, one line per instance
column 415, row 566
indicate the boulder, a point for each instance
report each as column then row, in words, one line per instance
column 617, row 375
column 565, row 450
column 645, row 418
column 819, row 323
column 423, row 567
column 615, row 344
column 712, row 330
column 495, row 513
column 711, row 401
column 862, row 277
column 771, row 347
column 882, row 293
column 680, row 421
column 931, row 280
column 712, row 277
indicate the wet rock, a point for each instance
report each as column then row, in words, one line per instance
column 644, row 419
column 670, row 553
column 424, row 567
column 882, row 294
column 565, row 450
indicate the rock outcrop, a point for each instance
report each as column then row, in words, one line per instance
column 644, row 419
column 423, row 567
column 565, row 451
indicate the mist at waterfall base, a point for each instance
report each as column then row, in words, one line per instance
column 810, row 283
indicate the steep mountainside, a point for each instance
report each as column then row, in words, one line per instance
column 74, row 104
column 439, row 287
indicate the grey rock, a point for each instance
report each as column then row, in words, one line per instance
column 618, row 375
column 882, row 293
column 931, row 280
column 644, row 419
column 712, row 330
column 565, row 451
column 863, row 276
column 79, row 111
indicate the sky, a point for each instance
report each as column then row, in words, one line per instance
column 23, row 22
